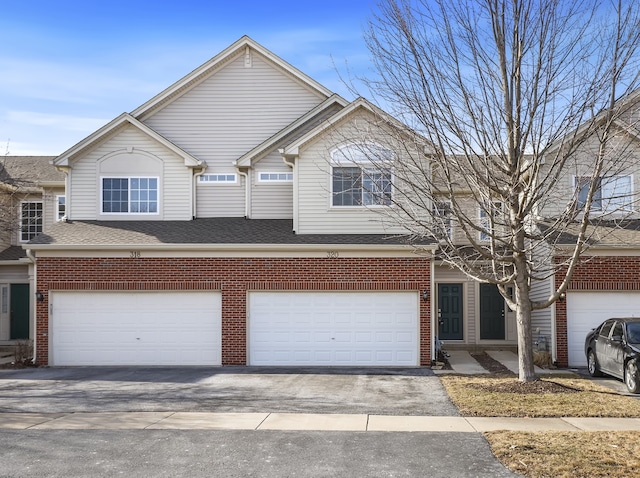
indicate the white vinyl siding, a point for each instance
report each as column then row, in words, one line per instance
column 221, row 200
column 84, row 199
column 231, row 111
column 271, row 200
column 316, row 215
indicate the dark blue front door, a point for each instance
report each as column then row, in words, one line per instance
column 450, row 311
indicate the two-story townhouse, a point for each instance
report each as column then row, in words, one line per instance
column 31, row 199
column 223, row 223
column 237, row 218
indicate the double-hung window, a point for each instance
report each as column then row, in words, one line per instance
column 30, row 220
column 361, row 176
column 132, row 195
column 442, row 218
column 611, row 193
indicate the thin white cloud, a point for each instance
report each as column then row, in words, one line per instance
column 59, row 121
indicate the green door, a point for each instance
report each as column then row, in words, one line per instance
column 491, row 313
column 450, row 311
column 19, row 300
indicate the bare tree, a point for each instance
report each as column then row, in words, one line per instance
column 516, row 99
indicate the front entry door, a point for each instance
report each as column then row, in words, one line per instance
column 19, row 303
column 450, row 311
column 491, row 313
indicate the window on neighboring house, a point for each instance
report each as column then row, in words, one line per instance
column 442, row 216
column 30, row 220
column 130, row 195
column 275, row 177
column 612, row 193
column 360, row 176
column 488, row 217
column 61, row 208
column 218, row 178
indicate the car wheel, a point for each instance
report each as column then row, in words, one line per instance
column 592, row 364
column 631, row 378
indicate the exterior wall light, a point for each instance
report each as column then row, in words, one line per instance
column 39, row 296
column 425, row 295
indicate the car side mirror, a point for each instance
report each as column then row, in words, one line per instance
column 616, row 338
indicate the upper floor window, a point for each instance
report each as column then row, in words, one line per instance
column 489, row 215
column 275, row 177
column 130, row 195
column 611, row 194
column 362, row 176
column 61, row 208
column 218, row 178
column 442, row 218
column 30, row 220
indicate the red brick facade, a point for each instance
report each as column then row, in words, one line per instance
column 602, row 273
column 233, row 277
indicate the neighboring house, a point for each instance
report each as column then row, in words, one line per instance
column 31, row 199
column 220, row 223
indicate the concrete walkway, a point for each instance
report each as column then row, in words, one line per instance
column 302, row 421
column 462, row 362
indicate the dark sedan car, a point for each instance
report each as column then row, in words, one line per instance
column 614, row 348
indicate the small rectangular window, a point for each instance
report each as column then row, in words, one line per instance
column 489, row 218
column 218, row 178
column 275, row 177
column 611, row 193
column 442, row 218
column 61, row 208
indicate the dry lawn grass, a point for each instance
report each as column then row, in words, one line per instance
column 487, row 396
column 568, row 454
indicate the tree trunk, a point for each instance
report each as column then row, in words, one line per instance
column 523, row 320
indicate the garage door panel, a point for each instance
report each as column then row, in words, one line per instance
column 586, row 310
column 351, row 328
column 136, row 328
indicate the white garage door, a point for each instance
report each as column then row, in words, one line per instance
column 586, row 310
column 136, row 328
column 333, row 328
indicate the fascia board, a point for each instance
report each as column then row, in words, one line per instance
column 213, row 63
column 225, row 247
column 64, row 158
column 246, row 159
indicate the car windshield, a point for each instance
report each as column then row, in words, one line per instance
column 633, row 332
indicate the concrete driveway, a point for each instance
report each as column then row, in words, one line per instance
column 242, row 389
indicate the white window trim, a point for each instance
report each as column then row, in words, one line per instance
column 57, row 210
column 600, row 210
column 271, row 181
column 220, row 178
column 128, row 178
column 366, row 165
column 449, row 227
column 358, row 159
column 20, row 239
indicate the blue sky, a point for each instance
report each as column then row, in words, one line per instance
column 70, row 66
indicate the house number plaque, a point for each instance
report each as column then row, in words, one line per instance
column 134, row 254
column 332, row 254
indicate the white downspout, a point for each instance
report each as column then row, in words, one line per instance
column 32, row 258
column 247, row 190
column 194, row 194
column 292, row 165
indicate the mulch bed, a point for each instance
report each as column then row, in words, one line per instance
column 491, row 364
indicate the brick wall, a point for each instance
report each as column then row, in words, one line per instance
column 233, row 277
column 606, row 273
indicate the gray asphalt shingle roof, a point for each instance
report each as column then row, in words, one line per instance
column 30, row 169
column 198, row 231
